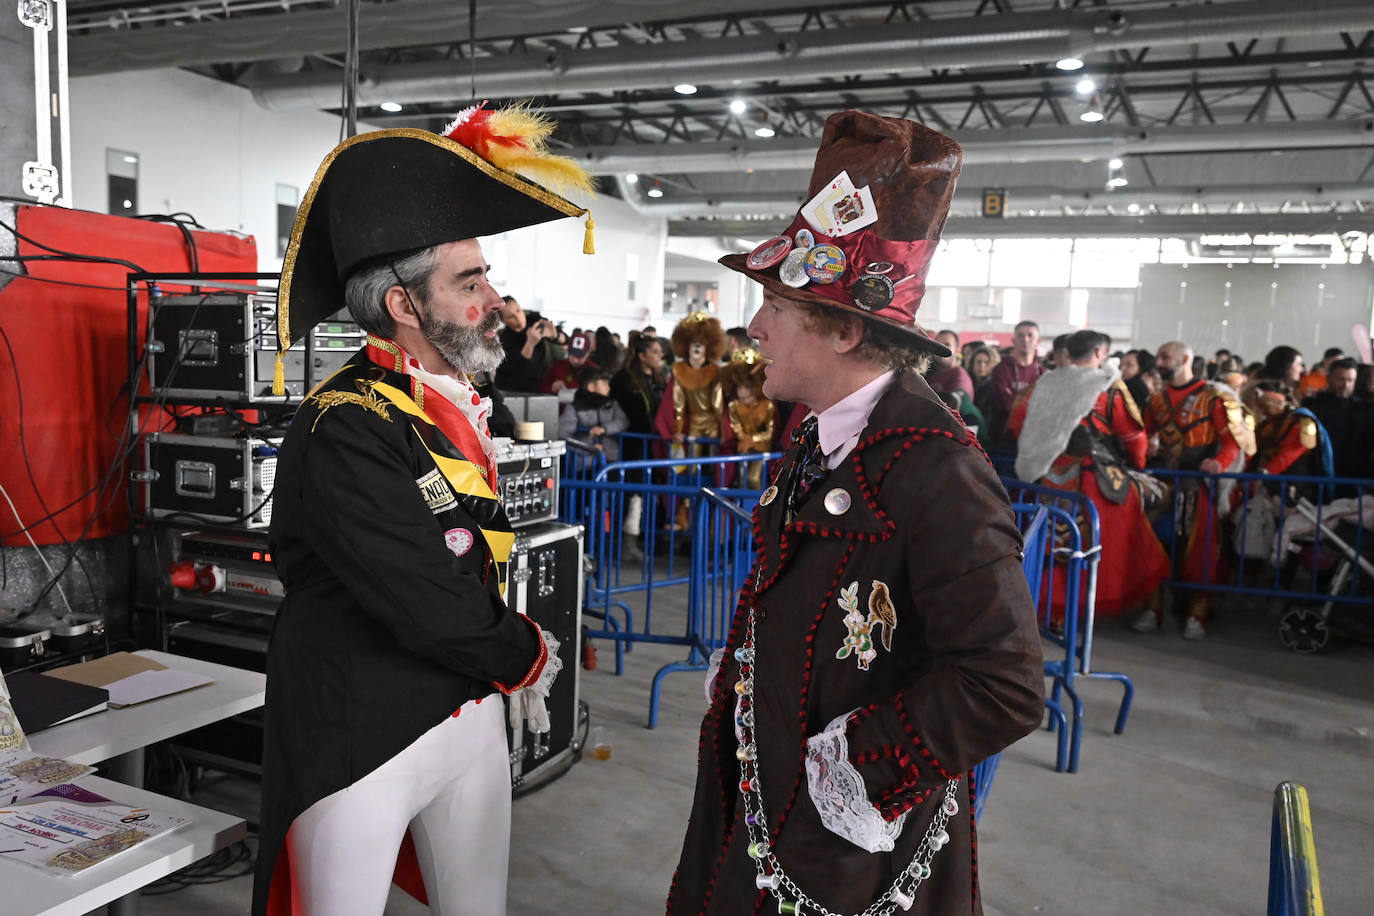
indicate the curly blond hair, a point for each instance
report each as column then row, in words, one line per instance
column 701, row 328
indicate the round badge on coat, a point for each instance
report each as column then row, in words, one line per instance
column 824, row 263
column 793, row 270
column 837, row 501
column 458, row 540
column 768, row 253
column 872, row 292
column 768, row 496
column 804, row 239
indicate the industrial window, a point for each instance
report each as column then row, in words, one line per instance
column 288, row 199
column 121, row 171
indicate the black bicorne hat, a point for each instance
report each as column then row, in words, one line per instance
column 391, row 192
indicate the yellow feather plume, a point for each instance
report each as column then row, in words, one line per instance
column 531, row 158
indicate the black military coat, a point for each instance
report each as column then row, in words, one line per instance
column 962, row 679
column 393, row 616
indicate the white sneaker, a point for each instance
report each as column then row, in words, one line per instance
column 633, row 511
column 1147, row 622
column 1194, row 629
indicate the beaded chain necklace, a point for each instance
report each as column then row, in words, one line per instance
column 771, row 876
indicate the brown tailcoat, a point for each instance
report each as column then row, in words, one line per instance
column 962, row 680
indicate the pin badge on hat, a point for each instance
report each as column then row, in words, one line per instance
column 793, row 270
column 879, row 267
column 872, row 292
column 825, row 263
column 804, row 239
column 769, row 253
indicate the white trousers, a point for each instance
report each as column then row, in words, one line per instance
column 451, row 787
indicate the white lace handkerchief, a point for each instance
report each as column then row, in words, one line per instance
column 839, row 794
column 544, row 683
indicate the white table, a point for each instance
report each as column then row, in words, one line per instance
column 119, row 737
column 31, row 892
column 124, row 733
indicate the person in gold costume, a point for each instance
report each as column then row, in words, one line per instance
column 694, row 394
column 752, row 416
column 698, row 341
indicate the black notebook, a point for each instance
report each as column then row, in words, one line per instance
column 41, row 701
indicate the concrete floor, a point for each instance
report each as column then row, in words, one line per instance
column 1171, row 817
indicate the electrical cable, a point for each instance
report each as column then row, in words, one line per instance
column 124, row 449
column 34, row 544
column 69, row 254
column 33, row 480
column 24, row 276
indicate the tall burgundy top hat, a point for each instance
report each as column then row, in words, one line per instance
column 879, row 195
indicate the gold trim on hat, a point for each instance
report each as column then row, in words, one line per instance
column 288, row 267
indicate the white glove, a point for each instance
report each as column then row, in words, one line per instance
column 528, row 703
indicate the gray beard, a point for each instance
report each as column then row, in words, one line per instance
column 462, row 346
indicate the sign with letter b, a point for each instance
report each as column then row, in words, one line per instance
column 994, row 202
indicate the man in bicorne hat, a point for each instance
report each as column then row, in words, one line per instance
column 885, row 641
column 389, row 655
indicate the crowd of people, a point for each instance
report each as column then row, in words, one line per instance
column 1086, row 419
column 1074, row 414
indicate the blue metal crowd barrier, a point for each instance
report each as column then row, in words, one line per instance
column 621, row 567
column 1035, row 534
column 1294, row 886
column 722, row 555
column 1304, row 539
column 1067, row 556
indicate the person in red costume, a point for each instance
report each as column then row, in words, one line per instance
column 1080, row 430
column 1284, row 435
column 1199, row 427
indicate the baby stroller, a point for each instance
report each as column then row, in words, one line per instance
column 1336, row 544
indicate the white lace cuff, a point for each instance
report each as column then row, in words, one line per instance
column 841, row 798
column 552, row 665
column 713, row 669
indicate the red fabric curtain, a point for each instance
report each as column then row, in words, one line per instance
column 66, row 322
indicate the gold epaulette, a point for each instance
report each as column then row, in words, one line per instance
column 1131, row 406
column 1307, row 431
column 365, row 397
column 1240, row 423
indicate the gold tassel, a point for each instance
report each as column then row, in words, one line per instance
column 279, row 376
column 588, row 241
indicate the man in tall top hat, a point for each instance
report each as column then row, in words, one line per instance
column 393, row 645
column 885, row 641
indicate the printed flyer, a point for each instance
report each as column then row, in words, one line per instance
column 66, row 829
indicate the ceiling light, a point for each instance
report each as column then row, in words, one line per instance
column 1069, row 63
column 1115, row 164
column 632, row 178
column 1133, row 208
column 685, row 89
column 738, row 106
column 656, row 191
column 1117, row 181
column 764, row 132
column 392, row 107
column 1086, row 86
column 1091, row 116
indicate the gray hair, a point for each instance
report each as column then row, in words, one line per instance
column 365, row 291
